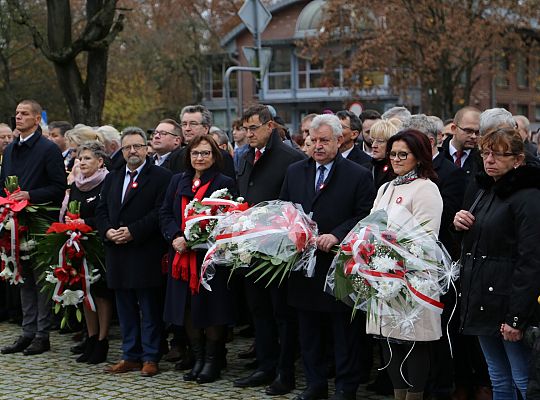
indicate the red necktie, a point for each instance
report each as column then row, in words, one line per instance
column 258, row 155
column 459, row 154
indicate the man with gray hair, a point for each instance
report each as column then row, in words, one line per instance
column 319, row 184
column 496, row 118
column 524, row 129
column 197, row 120
column 127, row 220
column 111, row 138
column 400, row 113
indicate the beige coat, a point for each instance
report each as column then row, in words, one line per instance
column 423, row 200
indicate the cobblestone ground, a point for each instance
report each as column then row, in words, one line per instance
column 56, row 375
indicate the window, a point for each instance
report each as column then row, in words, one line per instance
column 503, row 66
column 523, row 109
column 279, row 71
column 214, row 84
column 312, row 75
column 522, row 71
column 537, row 113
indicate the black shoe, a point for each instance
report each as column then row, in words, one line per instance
column 89, row 348
column 99, row 354
column 213, row 361
column 258, row 378
column 38, row 346
column 343, row 395
column 198, row 351
column 281, row 385
column 313, row 394
column 249, row 353
column 20, row 344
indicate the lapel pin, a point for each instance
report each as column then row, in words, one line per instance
column 399, row 200
column 134, row 185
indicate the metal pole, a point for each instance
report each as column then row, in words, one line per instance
column 226, row 83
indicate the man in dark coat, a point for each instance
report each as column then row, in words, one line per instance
column 38, row 164
column 127, row 220
column 260, row 176
column 166, row 139
column 461, row 149
column 351, row 126
column 337, row 193
column 197, row 120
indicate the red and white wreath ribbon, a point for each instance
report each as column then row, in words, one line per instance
column 74, row 241
column 10, row 208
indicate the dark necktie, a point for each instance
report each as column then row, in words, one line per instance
column 132, row 175
column 459, row 154
column 320, row 180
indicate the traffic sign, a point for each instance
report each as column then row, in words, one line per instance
column 255, row 16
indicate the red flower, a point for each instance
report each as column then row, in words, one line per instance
column 366, row 251
column 389, row 236
column 73, row 254
column 63, row 273
column 203, row 224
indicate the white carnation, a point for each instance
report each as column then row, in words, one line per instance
column 383, row 263
column 388, row 289
column 416, row 250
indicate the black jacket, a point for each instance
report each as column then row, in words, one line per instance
column 39, row 165
column 501, row 255
column 382, row 172
column 262, row 181
column 89, row 201
column 136, row 264
column 452, row 183
column 346, row 198
column 471, row 164
column 360, row 157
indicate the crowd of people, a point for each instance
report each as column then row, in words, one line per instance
column 474, row 180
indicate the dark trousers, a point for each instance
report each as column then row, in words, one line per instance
column 139, row 314
column 36, row 305
column 346, row 348
column 275, row 327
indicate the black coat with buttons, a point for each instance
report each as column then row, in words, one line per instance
column 500, row 273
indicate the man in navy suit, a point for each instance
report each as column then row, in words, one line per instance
column 127, row 219
column 351, row 127
column 337, row 193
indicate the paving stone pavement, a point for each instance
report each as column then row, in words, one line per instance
column 56, row 375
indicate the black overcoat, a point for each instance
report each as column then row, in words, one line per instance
column 347, row 197
column 136, row 264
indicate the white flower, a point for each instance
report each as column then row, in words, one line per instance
column 425, row 286
column 416, row 250
column 51, row 278
column 27, row 245
column 9, row 224
column 219, row 194
column 383, row 263
column 245, row 257
column 388, row 289
column 6, row 273
column 240, row 199
column 248, row 225
column 71, row 297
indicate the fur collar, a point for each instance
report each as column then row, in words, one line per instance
column 524, row 177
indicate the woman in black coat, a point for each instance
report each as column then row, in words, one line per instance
column 204, row 314
column 85, row 189
column 501, row 260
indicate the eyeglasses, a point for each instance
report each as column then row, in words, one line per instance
column 203, row 154
column 253, row 128
column 191, row 124
column 163, row 133
column 135, row 147
column 497, row 155
column 402, row 155
column 469, row 131
column 379, row 141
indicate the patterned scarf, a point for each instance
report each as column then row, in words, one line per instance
column 407, row 178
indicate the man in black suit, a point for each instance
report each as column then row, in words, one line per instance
column 127, row 220
column 38, row 164
column 337, row 193
column 351, row 127
column 260, row 176
column 461, row 149
column 111, row 136
column 197, row 120
column 166, row 138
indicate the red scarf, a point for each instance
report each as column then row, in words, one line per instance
column 185, row 265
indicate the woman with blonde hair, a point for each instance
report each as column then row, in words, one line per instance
column 380, row 132
column 74, row 138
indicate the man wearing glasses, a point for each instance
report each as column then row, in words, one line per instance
column 260, row 177
column 127, row 220
column 167, row 137
column 461, row 150
column 197, row 120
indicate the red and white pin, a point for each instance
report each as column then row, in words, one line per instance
column 399, row 200
column 134, row 185
column 196, row 184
